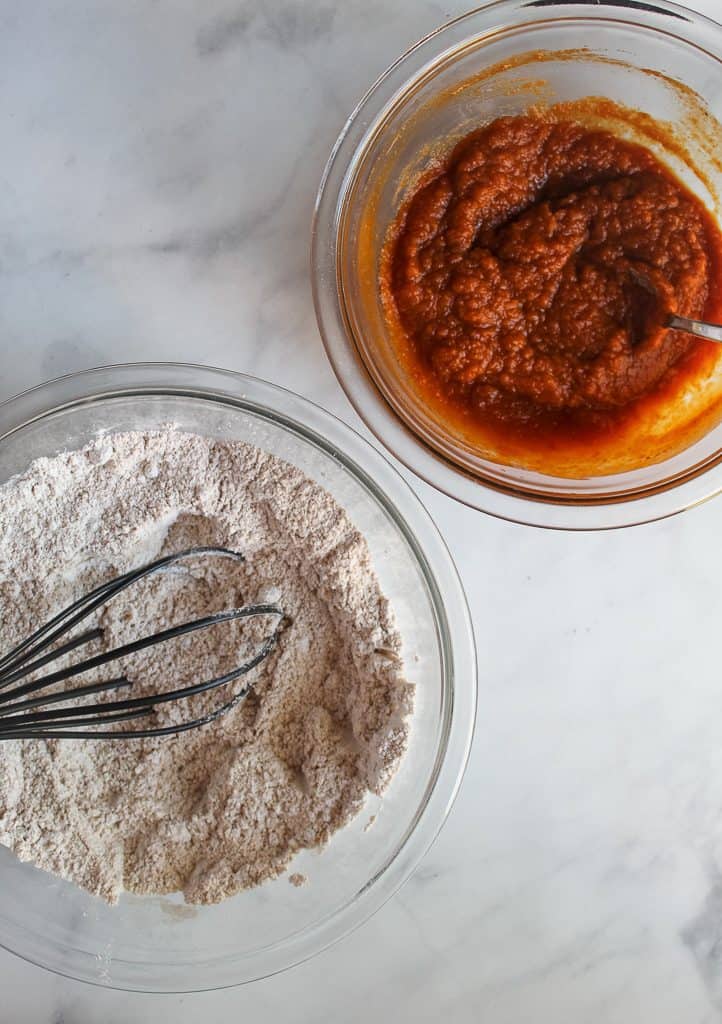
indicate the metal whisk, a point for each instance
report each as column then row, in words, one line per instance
column 25, row 711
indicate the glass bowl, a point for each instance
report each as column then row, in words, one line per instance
column 159, row 943
column 664, row 60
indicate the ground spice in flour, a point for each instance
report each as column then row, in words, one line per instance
column 216, row 810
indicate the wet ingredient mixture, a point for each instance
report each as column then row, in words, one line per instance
column 222, row 808
column 512, row 271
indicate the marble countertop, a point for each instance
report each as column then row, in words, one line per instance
column 159, row 166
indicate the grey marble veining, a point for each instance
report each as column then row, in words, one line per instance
column 159, row 168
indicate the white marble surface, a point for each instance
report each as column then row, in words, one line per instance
column 158, row 170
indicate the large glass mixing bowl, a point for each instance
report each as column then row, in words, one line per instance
column 159, row 943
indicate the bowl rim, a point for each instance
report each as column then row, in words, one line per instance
column 504, row 500
column 458, row 658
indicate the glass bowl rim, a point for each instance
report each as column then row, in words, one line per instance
column 508, row 501
column 456, row 643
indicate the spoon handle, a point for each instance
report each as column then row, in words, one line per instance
column 712, row 332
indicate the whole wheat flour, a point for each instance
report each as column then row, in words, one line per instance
column 212, row 811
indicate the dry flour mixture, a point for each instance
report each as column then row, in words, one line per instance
column 220, row 809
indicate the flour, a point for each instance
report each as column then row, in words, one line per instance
column 212, row 811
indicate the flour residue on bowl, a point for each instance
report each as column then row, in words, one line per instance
column 216, row 810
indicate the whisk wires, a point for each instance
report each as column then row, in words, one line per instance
column 26, row 710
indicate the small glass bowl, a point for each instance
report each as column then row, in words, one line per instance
column 622, row 50
column 159, row 943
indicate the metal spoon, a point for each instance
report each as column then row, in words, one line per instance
column 700, row 328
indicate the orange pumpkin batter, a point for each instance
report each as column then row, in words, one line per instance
column 512, row 269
